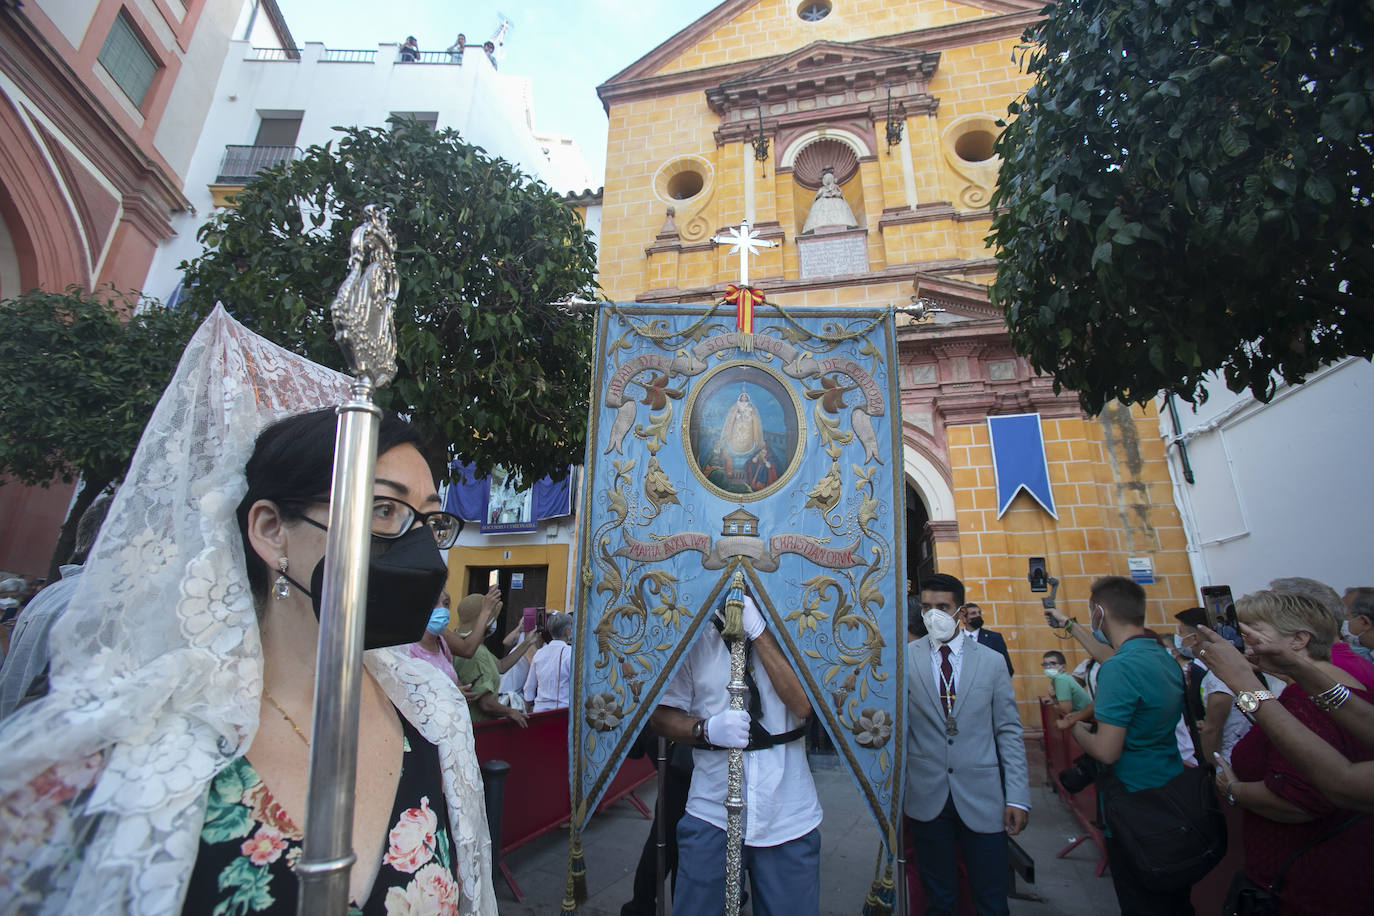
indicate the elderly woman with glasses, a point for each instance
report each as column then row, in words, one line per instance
column 167, row 768
column 1298, row 845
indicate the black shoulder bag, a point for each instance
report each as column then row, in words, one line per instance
column 1174, row 834
column 1246, row 898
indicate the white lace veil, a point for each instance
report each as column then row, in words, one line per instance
column 156, row 667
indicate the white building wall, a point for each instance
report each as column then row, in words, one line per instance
column 72, row 19
column 593, row 223
column 192, row 94
column 1280, row 489
column 480, row 103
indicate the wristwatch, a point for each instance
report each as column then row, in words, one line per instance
column 699, row 731
column 1247, row 701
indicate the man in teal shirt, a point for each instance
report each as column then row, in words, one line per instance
column 1139, row 701
column 1069, row 695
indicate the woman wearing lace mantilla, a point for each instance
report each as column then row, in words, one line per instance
column 166, row 769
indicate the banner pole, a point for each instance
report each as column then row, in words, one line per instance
column 734, row 785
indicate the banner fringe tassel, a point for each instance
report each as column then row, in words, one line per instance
column 882, row 895
column 575, row 891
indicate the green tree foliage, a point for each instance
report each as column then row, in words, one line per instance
column 486, row 366
column 1187, row 188
column 79, row 377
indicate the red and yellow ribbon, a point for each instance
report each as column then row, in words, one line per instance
column 744, row 298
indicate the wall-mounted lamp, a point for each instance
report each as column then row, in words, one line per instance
column 760, row 143
column 896, row 120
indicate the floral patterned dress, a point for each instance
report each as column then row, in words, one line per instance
column 249, row 845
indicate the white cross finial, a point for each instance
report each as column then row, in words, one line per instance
column 745, row 242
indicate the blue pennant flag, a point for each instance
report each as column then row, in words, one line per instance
column 1018, row 460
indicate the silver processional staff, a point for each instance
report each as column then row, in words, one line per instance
column 363, row 323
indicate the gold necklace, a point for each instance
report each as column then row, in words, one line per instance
column 289, row 721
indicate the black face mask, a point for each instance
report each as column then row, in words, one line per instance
column 973, row 623
column 403, row 585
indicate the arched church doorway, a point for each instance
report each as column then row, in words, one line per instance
column 920, row 544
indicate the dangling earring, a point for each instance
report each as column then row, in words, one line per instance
column 282, row 587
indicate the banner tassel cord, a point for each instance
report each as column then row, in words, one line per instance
column 575, row 891
column 882, row 895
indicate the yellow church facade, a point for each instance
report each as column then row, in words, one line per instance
column 875, row 121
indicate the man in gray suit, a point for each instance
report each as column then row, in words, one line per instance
column 966, row 781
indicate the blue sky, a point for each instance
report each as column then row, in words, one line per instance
column 566, row 47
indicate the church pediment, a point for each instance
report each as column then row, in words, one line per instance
column 823, row 64
column 826, row 82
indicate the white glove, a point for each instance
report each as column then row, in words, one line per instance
column 754, row 624
column 729, row 728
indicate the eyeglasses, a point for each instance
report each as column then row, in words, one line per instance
column 392, row 517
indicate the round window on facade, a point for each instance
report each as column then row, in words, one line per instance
column 685, row 185
column 813, row 10
column 684, row 180
column 974, row 146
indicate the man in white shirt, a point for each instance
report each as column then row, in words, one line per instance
column 782, row 814
column 547, row 684
column 967, row 785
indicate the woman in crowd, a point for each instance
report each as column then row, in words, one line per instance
column 1222, row 724
column 1288, row 823
column 166, row 769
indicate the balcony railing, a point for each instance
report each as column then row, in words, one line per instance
column 429, row 57
column 359, row 55
column 348, row 56
column 241, row 164
column 274, row 54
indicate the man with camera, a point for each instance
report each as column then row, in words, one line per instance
column 966, row 781
column 1138, row 703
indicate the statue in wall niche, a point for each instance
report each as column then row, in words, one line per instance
column 829, row 210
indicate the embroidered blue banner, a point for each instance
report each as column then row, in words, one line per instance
column 776, row 453
column 1018, row 460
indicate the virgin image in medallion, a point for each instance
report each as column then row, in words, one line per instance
column 742, row 431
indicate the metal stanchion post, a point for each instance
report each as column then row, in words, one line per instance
column 661, row 828
column 494, row 794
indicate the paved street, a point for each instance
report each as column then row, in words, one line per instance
column 849, row 852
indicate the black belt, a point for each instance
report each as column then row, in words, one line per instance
column 759, row 737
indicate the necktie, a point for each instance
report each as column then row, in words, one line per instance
column 946, row 681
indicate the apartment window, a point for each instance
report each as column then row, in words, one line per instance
column 278, row 128
column 127, row 60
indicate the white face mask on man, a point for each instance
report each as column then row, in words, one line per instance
column 939, row 624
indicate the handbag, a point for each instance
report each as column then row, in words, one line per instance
column 1173, row 834
column 1246, row 898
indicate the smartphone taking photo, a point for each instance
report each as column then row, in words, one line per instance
column 1221, row 613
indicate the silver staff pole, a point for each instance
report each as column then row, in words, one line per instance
column 733, row 634
column 362, row 313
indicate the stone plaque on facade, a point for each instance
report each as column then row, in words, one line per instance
column 1002, row 369
column 918, row 374
column 833, row 254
